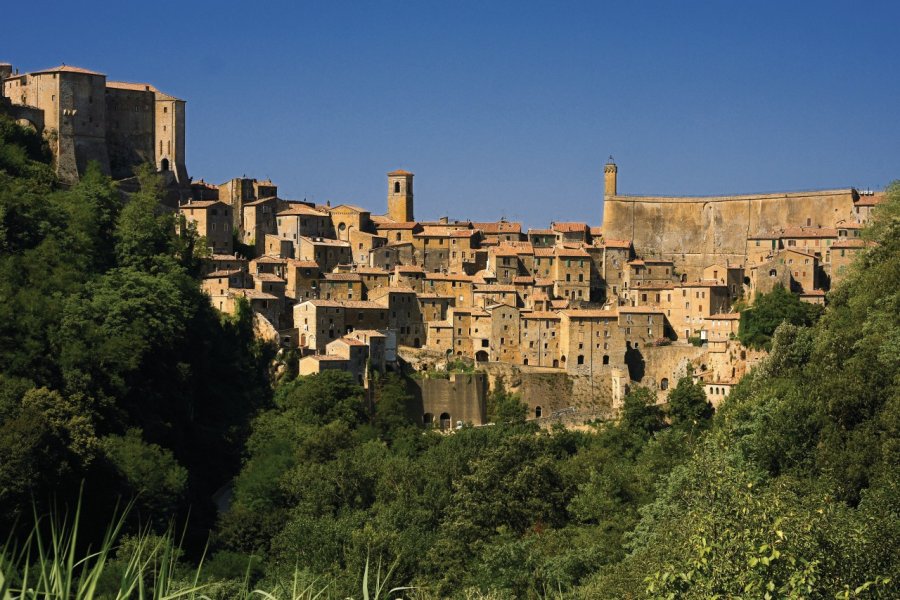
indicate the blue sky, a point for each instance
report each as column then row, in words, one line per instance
column 503, row 108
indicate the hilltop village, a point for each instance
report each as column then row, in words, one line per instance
column 569, row 315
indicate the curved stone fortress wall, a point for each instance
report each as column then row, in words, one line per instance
column 696, row 232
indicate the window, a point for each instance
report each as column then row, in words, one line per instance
column 396, row 187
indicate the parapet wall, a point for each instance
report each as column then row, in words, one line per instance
column 697, row 232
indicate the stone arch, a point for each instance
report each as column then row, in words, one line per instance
column 445, row 421
column 481, row 356
column 396, row 187
column 538, row 412
column 164, row 164
column 664, row 384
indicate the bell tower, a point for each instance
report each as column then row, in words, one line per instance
column 400, row 196
column 610, row 171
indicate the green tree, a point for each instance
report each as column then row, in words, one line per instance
column 640, row 413
column 759, row 322
column 687, row 406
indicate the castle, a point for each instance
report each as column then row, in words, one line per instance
column 84, row 117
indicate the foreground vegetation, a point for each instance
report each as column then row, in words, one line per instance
column 115, row 371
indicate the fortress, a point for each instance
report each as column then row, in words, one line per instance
column 696, row 232
column 86, row 118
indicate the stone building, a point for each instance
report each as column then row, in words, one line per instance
column 86, row 118
column 213, row 221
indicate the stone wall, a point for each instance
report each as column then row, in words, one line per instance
column 461, row 397
column 698, row 232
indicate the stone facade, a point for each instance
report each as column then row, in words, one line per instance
column 117, row 124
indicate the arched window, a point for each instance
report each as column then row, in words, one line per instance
column 525, row 362
column 581, row 359
column 445, row 421
column 664, row 384
column 537, row 412
column 396, row 187
column 773, row 273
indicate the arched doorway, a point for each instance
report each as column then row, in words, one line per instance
column 664, row 384
column 481, row 356
column 445, row 421
column 164, row 164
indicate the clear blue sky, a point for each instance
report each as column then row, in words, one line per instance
column 503, row 108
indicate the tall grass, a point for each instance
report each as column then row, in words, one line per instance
column 51, row 564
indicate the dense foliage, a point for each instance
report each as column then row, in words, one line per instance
column 114, row 368
column 759, row 322
column 117, row 372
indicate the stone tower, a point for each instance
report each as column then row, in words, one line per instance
column 400, row 196
column 610, row 170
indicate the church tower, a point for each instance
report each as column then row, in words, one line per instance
column 610, row 170
column 400, row 196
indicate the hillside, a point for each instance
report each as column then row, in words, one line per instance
column 116, row 374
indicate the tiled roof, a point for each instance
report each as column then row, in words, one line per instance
column 349, row 341
column 399, row 172
column 809, row 232
column 569, row 252
column 495, row 227
column 197, row 204
column 219, row 274
column 267, row 259
column 342, row 277
column 396, row 225
column 67, row 69
column 349, row 207
column 134, row 87
column 303, row 264
column 298, row 209
column 569, row 227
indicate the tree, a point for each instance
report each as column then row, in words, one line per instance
column 688, row 407
column 503, row 407
column 144, row 231
column 640, row 413
column 759, row 322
